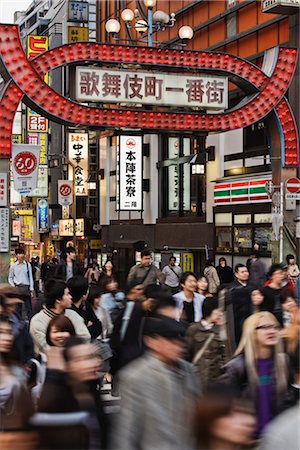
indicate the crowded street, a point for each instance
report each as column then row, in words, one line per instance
column 149, row 225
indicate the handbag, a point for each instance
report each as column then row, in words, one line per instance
column 104, row 348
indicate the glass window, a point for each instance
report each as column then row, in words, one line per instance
column 263, row 218
column 242, row 239
column 242, row 218
column 223, row 219
column 224, row 239
column 262, row 237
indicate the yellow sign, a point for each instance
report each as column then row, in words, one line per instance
column 187, row 262
column 17, row 139
column 78, row 34
column 95, row 244
column 27, row 229
column 23, row 212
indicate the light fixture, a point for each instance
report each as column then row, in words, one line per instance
column 198, row 163
column 127, row 15
column 141, row 26
column 150, row 3
column 161, row 17
column 112, row 26
column 91, row 183
column 185, row 32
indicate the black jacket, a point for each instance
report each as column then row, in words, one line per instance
column 61, row 270
column 86, row 312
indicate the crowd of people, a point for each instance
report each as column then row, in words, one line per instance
column 206, row 361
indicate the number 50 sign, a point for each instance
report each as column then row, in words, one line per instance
column 25, row 163
column 65, row 192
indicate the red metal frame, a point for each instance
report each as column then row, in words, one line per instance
column 25, row 79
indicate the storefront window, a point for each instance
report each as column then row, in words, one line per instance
column 242, row 239
column 223, row 219
column 262, row 237
column 242, row 218
column 263, row 218
column 224, row 239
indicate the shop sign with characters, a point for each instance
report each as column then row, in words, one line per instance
column 25, row 164
column 130, row 173
column 78, row 156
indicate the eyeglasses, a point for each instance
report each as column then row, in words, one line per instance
column 268, row 327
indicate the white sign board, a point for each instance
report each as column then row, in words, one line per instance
column 267, row 5
column 65, row 192
column 78, row 11
column 66, row 227
column 3, row 189
column 42, row 183
column 78, row 155
column 122, row 86
column 25, row 164
column 130, row 180
column 4, row 230
column 290, row 196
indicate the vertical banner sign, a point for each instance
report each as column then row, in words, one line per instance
column 26, row 228
column 40, row 139
column 25, row 162
column 4, row 230
column 3, row 189
column 65, row 192
column 42, row 215
column 42, row 183
column 78, row 155
column 130, row 181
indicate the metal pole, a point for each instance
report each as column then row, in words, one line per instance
column 281, row 223
column 150, row 27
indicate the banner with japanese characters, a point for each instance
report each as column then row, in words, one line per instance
column 3, row 189
column 78, row 156
column 42, row 215
column 25, row 164
column 4, row 229
column 130, row 173
column 123, row 86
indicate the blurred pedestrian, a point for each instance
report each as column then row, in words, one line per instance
column 172, row 275
column 293, row 269
column 289, row 305
column 70, row 267
column 257, row 271
column 93, row 274
column 189, row 302
column 257, row 298
column 221, row 422
column 212, row 277
column 58, row 301
column 224, row 271
column 202, row 287
column 107, row 273
column 259, row 370
column 146, row 272
column 20, row 276
column 158, row 392
column 291, row 334
column 94, row 299
column 112, row 299
column 205, row 348
column 272, row 292
column 78, row 287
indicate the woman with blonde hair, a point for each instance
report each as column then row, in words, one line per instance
column 259, row 368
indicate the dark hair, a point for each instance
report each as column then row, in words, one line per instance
column 78, row 287
column 202, row 276
column 222, row 259
column 70, row 250
column 19, row 251
column 155, row 290
column 104, row 281
column 54, row 290
column 172, row 257
column 163, row 300
column 132, row 284
column 285, row 294
column 71, row 342
column 94, row 292
column 185, row 275
column 288, row 257
column 62, row 323
column 145, row 253
column 274, row 268
column 239, row 266
column 209, row 262
column 208, row 306
column 8, row 358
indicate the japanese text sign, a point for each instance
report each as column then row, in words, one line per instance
column 78, row 12
column 35, row 122
column 3, row 189
column 40, row 139
column 42, row 215
column 130, row 160
column 100, row 85
column 78, row 155
column 78, row 34
column 4, row 230
column 25, row 163
column 66, row 227
column 41, row 189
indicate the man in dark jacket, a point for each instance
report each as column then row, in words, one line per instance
column 69, row 268
column 78, row 287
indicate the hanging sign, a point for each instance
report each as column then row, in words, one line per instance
column 65, row 192
column 42, row 215
column 3, row 189
column 4, row 230
column 78, row 34
column 66, row 227
column 16, row 228
column 78, row 155
column 130, row 180
column 41, row 189
column 78, row 12
column 25, row 163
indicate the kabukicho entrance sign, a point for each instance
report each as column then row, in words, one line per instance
column 24, row 80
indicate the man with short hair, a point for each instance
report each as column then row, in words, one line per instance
column 237, row 304
column 78, row 287
column 145, row 272
column 20, row 276
column 172, row 274
column 158, row 391
column 272, row 292
column 69, row 268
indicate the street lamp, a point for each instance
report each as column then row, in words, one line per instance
column 198, row 164
column 157, row 21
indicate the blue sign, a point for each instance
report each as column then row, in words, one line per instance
column 42, row 215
